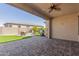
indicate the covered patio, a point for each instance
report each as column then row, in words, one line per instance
column 61, row 33
column 61, row 24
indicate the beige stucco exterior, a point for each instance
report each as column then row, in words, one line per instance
column 65, row 27
column 12, row 29
column 9, row 31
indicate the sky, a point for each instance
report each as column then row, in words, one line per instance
column 12, row 14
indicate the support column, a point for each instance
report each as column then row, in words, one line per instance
column 50, row 28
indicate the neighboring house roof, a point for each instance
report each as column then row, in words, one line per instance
column 23, row 24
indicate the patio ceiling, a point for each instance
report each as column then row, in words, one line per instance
column 65, row 8
column 41, row 9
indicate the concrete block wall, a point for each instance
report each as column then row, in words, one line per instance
column 9, row 31
column 13, row 30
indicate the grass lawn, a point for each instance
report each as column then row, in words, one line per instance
column 11, row 38
column 37, row 33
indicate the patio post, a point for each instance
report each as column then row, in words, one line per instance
column 50, row 28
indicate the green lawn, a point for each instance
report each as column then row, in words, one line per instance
column 37, row 33
column 4, row 39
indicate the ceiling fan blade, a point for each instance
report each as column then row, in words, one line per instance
column 50, row 10
column 51, row 4
column 54, row 6
column 58, row 9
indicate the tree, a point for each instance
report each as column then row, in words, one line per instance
column 36, row 30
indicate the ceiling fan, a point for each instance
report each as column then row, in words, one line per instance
column 54, row 7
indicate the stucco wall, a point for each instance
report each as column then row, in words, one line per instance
column 65, row 27
column 9, row 31
column 13, row 30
